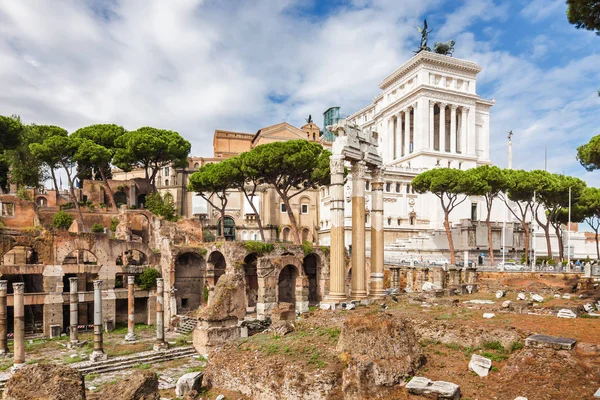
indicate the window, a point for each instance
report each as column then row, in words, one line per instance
column 474, row 212
column 459, row 165
column 184, row 303
column 304, row 208
column 166, row 171
column 366, row 185
column 389, row 221
column 166, row 182
column 196, row 166
column 408, row 188
column 412, row 220
column 398, row 221
column 282, row 208
column 388, row 187
column 8, row 209
column 397, row 188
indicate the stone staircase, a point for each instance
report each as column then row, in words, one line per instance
column 125, row 362
column 186, row 324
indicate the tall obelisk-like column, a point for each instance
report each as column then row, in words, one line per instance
column 130, row 337
column 3, row 319
column 98, row 353
column 377, row 234
column 74, row 312
column 359, row 283
column 337, row 251
column 19, row 324
column 160, row 325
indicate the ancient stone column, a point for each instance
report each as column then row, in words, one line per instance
column 463, row 130
column 130, row 309
column 358, row 286
column 410, row 278
column 19, row 323
column 337, row 251
column 407, row 131
column 98, row 353
column 453, row 128
column 377, row 234
column 160, row 325
column 3, row 318
column 442, row 126
column 74, row 311
column 431, row 125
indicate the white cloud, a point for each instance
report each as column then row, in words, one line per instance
column 541, row 9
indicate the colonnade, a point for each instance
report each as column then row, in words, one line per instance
column 98, row 353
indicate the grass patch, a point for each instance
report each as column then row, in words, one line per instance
column 71, row 360
column 142, row 366
column 588, row 316
column 270, row 349
column 494, row 346
column 469, row 350
column 516, row 346
column 444, row 317
column 91, row 377
column 494, row 356
column 198, row 368
column 121, row 329
column 427, row 342
column 333, row 333
column 5, row 366
column 316, row 360
column 453, row 346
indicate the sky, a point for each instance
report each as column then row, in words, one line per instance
column 194, row 66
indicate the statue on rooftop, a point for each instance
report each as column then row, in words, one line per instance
column 309, row 120
column 444, row 48
column 424, row 35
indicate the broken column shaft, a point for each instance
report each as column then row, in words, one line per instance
column 74, row 311
column 359, row 281
column 98, row 353
column 19, row 323
column 3, row 318
column 131, row 308
column 160, row 327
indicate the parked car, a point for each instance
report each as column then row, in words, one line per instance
column 461, row 264
column 440, row 261
column 511, row 266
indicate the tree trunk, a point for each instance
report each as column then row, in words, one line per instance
column 72, row 191
column 449, row 236
column 54, row 179
column 223, row 221
column 561, row 250
column 597, row 247
column 258, row 219
column 110, row 191
column 527, row 234
column 489, row 226
column 293, row 224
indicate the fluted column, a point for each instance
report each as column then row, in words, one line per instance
column 359, row 286
column 160, row 323
column 398, row 134
column 463, row 130
column 407, row 131
column 452, row 128
column 19, row 323
column 130, row 309
column 377, row 234
column 98, row 353
column 337, row 252
column 73, row 311
column 442, row 126
column 391, row 140
column 431, row 125
column 3, row 318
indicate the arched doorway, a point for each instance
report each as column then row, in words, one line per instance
column 132, row 257
column 120, row 198
column 286, row 234
column 84, row 257
column 312, row 270
column 141, row 200
column 229, row 228
column 305, row 235
column 251, row 278
column 286, row 286
column 217, row 264
column 190, row 271
column 41, row 201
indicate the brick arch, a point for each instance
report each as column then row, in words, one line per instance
column 290, row 260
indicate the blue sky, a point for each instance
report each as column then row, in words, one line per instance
column 195, row 66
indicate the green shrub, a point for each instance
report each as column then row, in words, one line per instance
column 147, row 279
column 205, row 294
column 114, row 221
column 23, row 194
column 67, row 206
column 208, row 236
column 162, row 206
column 516, row 346
column 97, row 228
column 254, row 246
column 62, row 220
column 307, row 248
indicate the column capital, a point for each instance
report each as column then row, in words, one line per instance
column 432, row 103
column 98, row 285
column 453, row 107
column 336, row 164
column 18, row 287
column 3, row 286
column 359, row 169
column 72, row 280
column 130, row 280
column 442, row 105
column 377, row 175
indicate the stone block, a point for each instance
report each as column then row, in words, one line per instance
column 597, row 394
column 506, row 304
column 469, row 289
column 520, row 398
column 589, row 307
column 566, row 313
column 488, row 315
column 480, row 365
column 545, row 341
column 189, row 382
column 326, row 306
column 109, row 325
column 55, row 331
column 500, row 294
column 428, row 287
column 537, row 297
column 423, row 386
column 521, row 296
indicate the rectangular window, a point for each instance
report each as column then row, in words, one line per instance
column 283, row 209
column 366, row 185
column 304, row 208
column 388, row 187
column 408, row 188
column 397, row 188
column 474, row 212
column 166, row 171
column 8, row 209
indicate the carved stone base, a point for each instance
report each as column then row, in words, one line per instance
column 212, row 334
column 130, row 337
column 98, row 356
column 16, row 367
column 76, row 345
column 160, row 346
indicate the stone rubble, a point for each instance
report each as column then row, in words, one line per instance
column 589, row 307
column 597, row 394
column 566, row 313
column 545, row 341
column 188, row 382
column 477, row 301
column 506, row 304
column 566, row 296
column 428, row 287
column 500, row 294
column 444, row 390
column 537, row 297
column 521, row 398
column 521, row 296
column 488, row 315
column 480, row 365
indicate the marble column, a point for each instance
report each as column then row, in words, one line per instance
column 73, row 312
column 442, row 128
column 358, row 286
column 19, row 324
column 377, row 234
column 337, row 251
column 431, row 125
column 98, row 353
column 391, row 140
column 160, row 323
column 3, row 318
column 407, row 131
column 452, row 128
column 398, row 135
column 463, row 130
column 130, row 337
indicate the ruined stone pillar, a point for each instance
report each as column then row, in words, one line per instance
column 359, row 283
column 98, row 353
column 439, row 278
column 19, row 323
column 130, row 309
column 3, row 318
column 337, row 251
column 377, row 244
column 74, row 311
column 160, row 324
column 410, row 277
